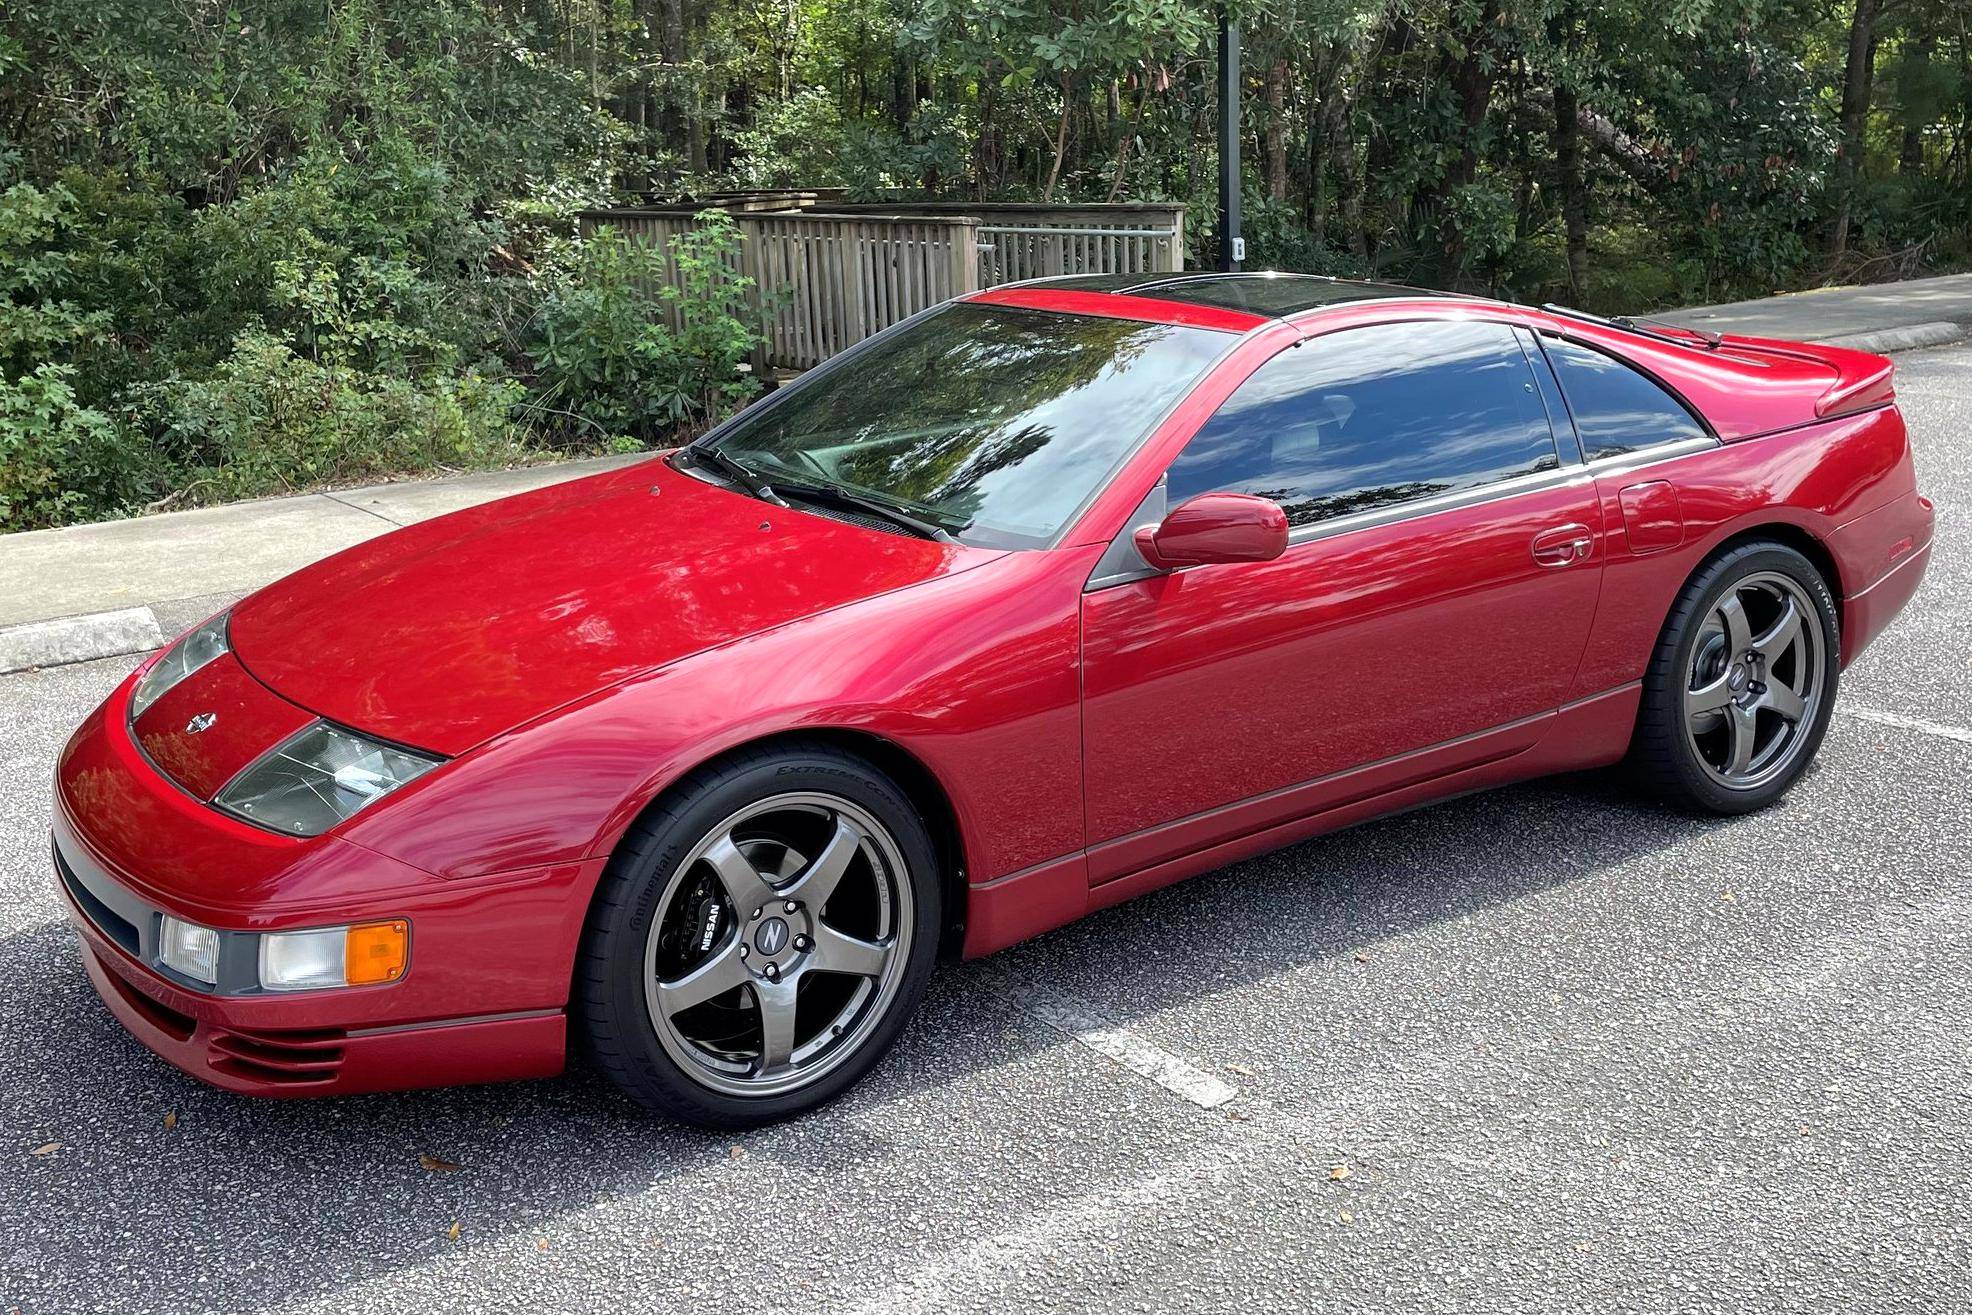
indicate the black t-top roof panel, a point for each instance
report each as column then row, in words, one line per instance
column 1275, row 295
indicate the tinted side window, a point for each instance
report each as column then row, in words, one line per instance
column 1617, row 409
column 1371, row 417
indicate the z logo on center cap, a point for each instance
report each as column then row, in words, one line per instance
column 201, row 722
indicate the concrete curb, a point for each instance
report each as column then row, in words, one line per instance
column 79, row 638
column 1909, row 337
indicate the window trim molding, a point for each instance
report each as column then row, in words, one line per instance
column 1576, row 465
column 1692, row 412
column 1585, row 474
column 1569, row 457
column 1539, row 481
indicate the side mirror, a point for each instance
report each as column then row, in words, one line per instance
column 1215, row 527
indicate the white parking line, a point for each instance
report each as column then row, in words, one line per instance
column 1124, row 1047
column 999, row 1264
column 1902, row 722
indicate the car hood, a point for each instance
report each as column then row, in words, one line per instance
column 442, row 635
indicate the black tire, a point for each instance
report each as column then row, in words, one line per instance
column 1665, row 755
column 619, row 1020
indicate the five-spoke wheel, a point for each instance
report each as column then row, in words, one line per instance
column 781, row 937
column 1738, row 692
column 761, row 936
column 1755, row 680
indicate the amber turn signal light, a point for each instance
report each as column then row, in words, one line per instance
column 376, row 952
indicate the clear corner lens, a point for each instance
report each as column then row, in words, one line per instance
column 192, row 651
column 303, row 960
column 189, row 949
column 319, row 777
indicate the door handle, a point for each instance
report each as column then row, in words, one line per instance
column 1564, row 545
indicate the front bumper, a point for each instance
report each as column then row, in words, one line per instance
column 484, row 998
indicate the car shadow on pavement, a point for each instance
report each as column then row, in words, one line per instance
column 257, row 1203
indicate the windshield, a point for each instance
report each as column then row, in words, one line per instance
column 992, row 423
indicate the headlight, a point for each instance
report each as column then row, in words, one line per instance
column 365, row 954
column 317, row 777
column 187, row 948
column 190, row 653
column 369, row 954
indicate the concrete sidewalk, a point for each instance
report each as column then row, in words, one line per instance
column 127, row 586
column 1881, row 317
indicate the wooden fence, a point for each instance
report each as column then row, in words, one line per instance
column 826, row 274
column 1037, row 241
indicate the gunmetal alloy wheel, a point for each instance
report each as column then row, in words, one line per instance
column 1754, row 683
column 1738, row 690
column 779, row 944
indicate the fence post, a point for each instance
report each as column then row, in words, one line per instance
column 965, row 256
column 748, row 263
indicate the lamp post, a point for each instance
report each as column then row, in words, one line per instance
column 1232, row 247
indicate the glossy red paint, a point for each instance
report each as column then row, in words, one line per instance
column 1652, row 519
column 1215, row 528
column 339, row 1061
column 576, row 650
column 512, row 609
column 237, row 719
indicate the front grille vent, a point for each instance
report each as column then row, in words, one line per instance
column 296, row 1059
column 106, row 919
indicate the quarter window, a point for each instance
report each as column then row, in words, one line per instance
column 1617, row 409
column 1369, row 418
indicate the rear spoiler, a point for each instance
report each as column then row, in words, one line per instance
column 1872, row 382
column 1808, row 381
column 1862, row 379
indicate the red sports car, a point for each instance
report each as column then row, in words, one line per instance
column 1044, row 598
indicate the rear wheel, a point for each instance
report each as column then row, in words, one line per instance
column 760, row 937
column 1741, row 685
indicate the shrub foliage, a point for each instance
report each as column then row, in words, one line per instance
column 253, row 246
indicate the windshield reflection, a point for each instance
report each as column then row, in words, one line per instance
column 994, row 422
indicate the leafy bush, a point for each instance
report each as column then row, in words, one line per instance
column 59, row 459
column 40, row 313
column 270, row 420
column 618, row 347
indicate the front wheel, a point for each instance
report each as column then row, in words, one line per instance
column 1742, row 682
column 760, row 937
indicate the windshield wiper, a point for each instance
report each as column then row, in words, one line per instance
column 874, row 506
column 735, row 470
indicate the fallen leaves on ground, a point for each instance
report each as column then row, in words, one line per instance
column 46, row 1149
column 736, row 1153
column 452, row 1233
column 170, row 1120
column 1339, row 1172
column 432, row 1164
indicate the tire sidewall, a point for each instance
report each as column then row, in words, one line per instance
column 1710, row 587
column 649, row 861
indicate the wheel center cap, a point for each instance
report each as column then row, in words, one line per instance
column 1738, row 677
column 772, row 936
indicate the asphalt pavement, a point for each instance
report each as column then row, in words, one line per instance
column 1547, row 1049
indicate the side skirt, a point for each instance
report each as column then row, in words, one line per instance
column 1592, row 732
